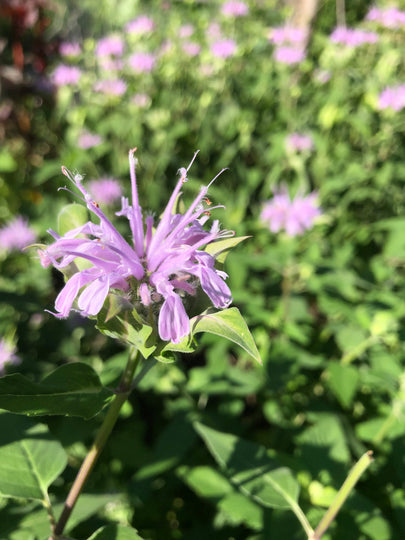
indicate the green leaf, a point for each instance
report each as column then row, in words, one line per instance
column 220, row 249
column 30, row 459
column 206, row 481
column 251, row 469
column 240, row 509
column 115, row 532
column 229, row 324
column 343, row 382
column 71, row 390
column 126, row 327
column 72, row 216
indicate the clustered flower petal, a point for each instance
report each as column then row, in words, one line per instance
column 16, row 235
column 295, row 216
column 163, row 264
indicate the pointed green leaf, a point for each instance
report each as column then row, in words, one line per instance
column 71, row 390
column 72, row 216
column 220, row 249
column 229, row 324
column 343, row 381
column 30, row 459
column 250, row 468
column 115, row 532
column 126, row 327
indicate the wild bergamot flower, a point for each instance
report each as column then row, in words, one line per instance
column 154, row 272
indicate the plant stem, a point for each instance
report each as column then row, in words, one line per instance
column 342, row 495
column 122, row 392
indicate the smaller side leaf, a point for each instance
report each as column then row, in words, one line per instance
column 125, row 326
column 220, row 249
column 229, row 324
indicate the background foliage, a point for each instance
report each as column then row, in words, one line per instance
column 326, row 308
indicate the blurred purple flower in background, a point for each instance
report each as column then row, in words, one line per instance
column 112, row 87
column 290, row 44
column 190, row 48
column 392, row 97
column 224, row 48
column 142, row 62
column 111, row 64
column 7, row 355
column 293, row 216
column 16, row 235
column 141, row 100
column 110, row 46
column 70, row 48
column 141, row 25
column 287, row 34
column 234, row 9
column 66, row 75
column 298, row 142
column 388, row 17
column 289, row 55
column 352, row 37
column 105, row 190
column 88, row 140
column 186, row 30
column 164, row 263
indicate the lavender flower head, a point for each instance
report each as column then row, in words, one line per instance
column 162, row 265
column 290, row 44
column 390, row 17
column 223, row 48
column 294, row 216
column 110, row 46
column 105, row 190
column 70, row 48
column 352, row 37
column 16, row 235
column 234, row 8
column 111, row 87
column 88, row 140
column 141, row 25
column 298, row 142
column 392, row 97
column 66, row 75
column 142, row 62
column 7, row 355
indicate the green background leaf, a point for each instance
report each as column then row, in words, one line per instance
column 30, row 459
column 72, row 390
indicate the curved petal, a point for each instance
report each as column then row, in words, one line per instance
column 92, row 298
column 174, row 323
column 215, row 287
column 65, row 299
